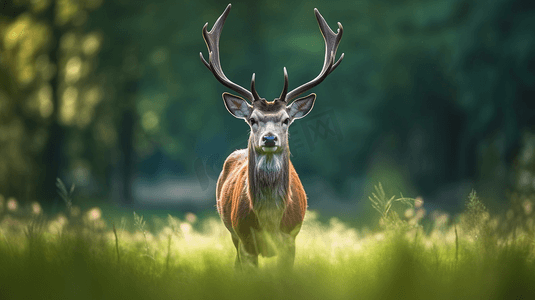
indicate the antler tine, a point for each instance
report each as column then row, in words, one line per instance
column 282, row 97
column 332, row 40
column 253, row 89
column 212, row 42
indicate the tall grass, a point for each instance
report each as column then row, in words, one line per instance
column 80, row 257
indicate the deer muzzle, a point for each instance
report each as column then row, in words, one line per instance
column 269, row 143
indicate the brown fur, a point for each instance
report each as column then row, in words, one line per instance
column 269, row 106
column 246, row 200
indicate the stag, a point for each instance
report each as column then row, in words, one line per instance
column 259, row 195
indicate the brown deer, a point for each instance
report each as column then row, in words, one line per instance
column 259, row 195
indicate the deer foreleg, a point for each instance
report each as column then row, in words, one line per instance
column 286, row 251
column 245, row 258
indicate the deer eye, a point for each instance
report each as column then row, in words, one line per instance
column 286, row 121
column 252, row 121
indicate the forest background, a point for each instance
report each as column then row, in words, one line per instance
column 433, row 98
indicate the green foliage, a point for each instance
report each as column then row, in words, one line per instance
column 476, row 213
column 478, row 225
column 42, row 258
column 405, row 60
column 383, row 205
column 139, row 223
column 65, row 195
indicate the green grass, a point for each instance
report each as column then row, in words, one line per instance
column 80, row 256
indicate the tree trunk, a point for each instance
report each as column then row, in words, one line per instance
column 126, row 144
column 53, row 156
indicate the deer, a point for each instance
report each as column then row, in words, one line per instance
column 259, row 195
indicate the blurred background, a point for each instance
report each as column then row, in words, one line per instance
column 434, row 98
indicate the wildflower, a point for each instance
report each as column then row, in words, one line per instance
column 58, row 224
column 12, row 204
column 418, row 202
column 409, row 213
column 527, row 207
column 166, row 231
column 191, row 218
column 420, row 213
column 185, row 227
column 36, row 208
column 61, row 220
column 94, row 214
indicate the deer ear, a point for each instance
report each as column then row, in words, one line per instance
column 301, row 107
column 237, row 106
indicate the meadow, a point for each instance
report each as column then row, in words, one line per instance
column 89, row 255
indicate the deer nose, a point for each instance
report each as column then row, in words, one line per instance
column 269, row 140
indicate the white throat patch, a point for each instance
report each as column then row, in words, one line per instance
column 270, row 165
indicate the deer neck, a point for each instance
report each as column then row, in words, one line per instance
column 268, row 177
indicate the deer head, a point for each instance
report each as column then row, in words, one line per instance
column 269, row 120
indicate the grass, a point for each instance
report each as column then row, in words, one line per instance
column 80, row 256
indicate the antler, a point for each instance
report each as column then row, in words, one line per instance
column 331, row 44
column 212, row 42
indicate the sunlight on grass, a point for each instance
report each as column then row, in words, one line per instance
column 85, row 255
